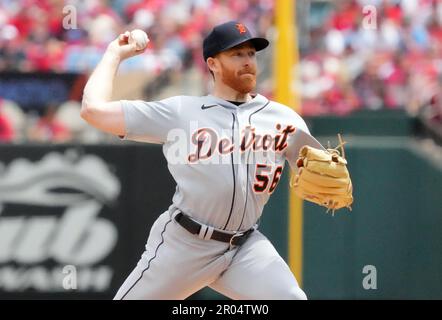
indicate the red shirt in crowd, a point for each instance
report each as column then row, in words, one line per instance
column 6, row 130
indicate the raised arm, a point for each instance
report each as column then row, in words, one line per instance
column 97, row 108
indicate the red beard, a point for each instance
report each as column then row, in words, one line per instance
column 243, row 81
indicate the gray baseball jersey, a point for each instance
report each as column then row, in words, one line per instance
column 226, row 160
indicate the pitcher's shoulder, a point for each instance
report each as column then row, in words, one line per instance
column 289, row 114
column 283, row 109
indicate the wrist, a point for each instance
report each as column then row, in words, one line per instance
column 112, row 57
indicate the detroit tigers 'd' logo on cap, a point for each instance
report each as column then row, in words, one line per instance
column 241, row 28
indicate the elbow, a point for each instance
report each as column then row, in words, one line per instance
column 87, row 111
column 86, row 106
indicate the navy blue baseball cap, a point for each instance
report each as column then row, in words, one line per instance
column 228, row 35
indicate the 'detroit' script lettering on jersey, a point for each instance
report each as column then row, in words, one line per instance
column 208, row 143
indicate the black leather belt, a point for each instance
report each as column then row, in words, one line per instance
column 194, row 227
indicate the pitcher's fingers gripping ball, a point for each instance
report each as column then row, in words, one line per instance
column 140, row 38
column 323, row 178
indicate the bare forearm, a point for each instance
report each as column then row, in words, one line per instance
column 97, row 108
column 100, row 84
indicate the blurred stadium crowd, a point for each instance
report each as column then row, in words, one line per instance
column 33, row 37
column 394, row 61
column 391, row 61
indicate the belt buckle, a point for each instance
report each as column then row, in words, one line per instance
column 236, row 235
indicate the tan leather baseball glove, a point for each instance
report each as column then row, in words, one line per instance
column 323, row 178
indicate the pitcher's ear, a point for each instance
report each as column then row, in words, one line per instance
column 211, row 64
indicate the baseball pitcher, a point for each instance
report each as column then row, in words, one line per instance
column 226, row 152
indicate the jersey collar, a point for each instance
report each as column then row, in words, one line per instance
column 256, row 102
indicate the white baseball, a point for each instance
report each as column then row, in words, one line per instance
column 140, row 38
